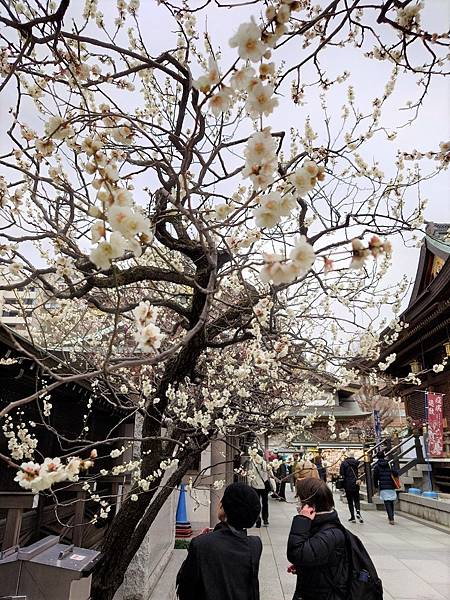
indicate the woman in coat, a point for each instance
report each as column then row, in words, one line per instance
column 316, row 545
column 383, row 480
column 349, row 472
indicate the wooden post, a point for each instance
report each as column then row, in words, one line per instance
column 368, row 474
column 14, row 503
column 78, row 519
column 12, row 529
column 419, row 449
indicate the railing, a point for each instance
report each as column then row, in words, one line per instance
column 393, row 454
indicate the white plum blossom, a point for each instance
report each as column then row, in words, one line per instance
column 128, row 222
column 222, row 211
column 360, row 254
column 98, row 231
column 4, row 193
column 287, row 204
column 38, row 477
column 409, row 16
column 277, row 270
column 106, row 251
column 45, row 147
column 269, row 213
column 303, row 255
column 221, row 102
column 247, row 40
column 261, row 159
column 260, row 100
column 148, row 335
column 58, row 128
column 241, row 79
column 145, row 313
column 205, row 82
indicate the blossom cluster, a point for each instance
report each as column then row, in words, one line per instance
column 280, row 271
column 148, row 335
column 38, row 477
column 21, row 442
column 409, row 16
column 360, row 252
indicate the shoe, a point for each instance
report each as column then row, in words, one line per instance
column 258, row 524
column 352, row 520
column 266, row 523
column 391, row 522
column 359, row 517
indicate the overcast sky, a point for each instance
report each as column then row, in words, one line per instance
column 368, row 79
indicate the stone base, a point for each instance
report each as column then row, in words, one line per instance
column 433, row 511
column 152, row 557
column 165, row 589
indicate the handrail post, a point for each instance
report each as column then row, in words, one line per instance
column 419, row 449
column 368, row 473
column 396, row 442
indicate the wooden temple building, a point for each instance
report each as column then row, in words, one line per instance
column 426, row 342
column 25, row 517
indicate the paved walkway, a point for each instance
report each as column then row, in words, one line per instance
column 413, row 560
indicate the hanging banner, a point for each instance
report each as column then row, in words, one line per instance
column 377, row 425
column 435, row 424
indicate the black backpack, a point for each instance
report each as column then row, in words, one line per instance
column 363, row 582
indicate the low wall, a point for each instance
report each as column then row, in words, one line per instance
column 152, row 557
column 435, row 511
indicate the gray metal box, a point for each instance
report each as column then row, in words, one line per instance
column 47, row 570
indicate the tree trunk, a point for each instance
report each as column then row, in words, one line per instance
column 133, row 520
column 127, row 533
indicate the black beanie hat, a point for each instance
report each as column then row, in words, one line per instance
column 241, row 505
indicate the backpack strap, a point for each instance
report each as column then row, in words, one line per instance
column 348, row 554
column 254, row 545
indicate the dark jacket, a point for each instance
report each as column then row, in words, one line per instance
column 321, row 470
column 349, row 471
column 317, row 549
column 221, row 565
column 382, row 475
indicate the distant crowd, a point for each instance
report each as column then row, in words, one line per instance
column 329, row 561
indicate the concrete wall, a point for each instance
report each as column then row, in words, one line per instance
column 152, row 557
column 435, row 511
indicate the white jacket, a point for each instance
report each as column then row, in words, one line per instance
column 257, row 474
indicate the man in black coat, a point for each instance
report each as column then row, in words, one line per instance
column 316, row 545
column 349, row 472
column 224, row 564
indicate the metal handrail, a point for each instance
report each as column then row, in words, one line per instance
column 394, row 448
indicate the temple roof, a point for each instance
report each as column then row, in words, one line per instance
column 433, row 255
column 347, row 409
column 31, row 360
column 428, row 311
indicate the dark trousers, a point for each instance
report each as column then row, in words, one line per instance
column 264, row 498
column 282, row 490
column 353, row 502
column 389, row 506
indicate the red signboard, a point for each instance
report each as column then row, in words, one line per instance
column 435, row 424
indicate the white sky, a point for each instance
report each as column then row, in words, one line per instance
column 368, row 79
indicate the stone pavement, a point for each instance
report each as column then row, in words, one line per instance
column 412, row 559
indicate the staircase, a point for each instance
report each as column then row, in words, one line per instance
column 405, row 455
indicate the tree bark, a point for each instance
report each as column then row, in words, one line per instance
column 133, row 520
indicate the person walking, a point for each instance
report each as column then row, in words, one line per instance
column 349, row 473
column 258, row 478
column 283, row 474
column 317, row 546
column 321, row 469
column 295, row 460
column 383, row 479
column 224, row 564
column 305, row 469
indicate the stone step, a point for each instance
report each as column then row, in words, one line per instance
column 165, row 589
